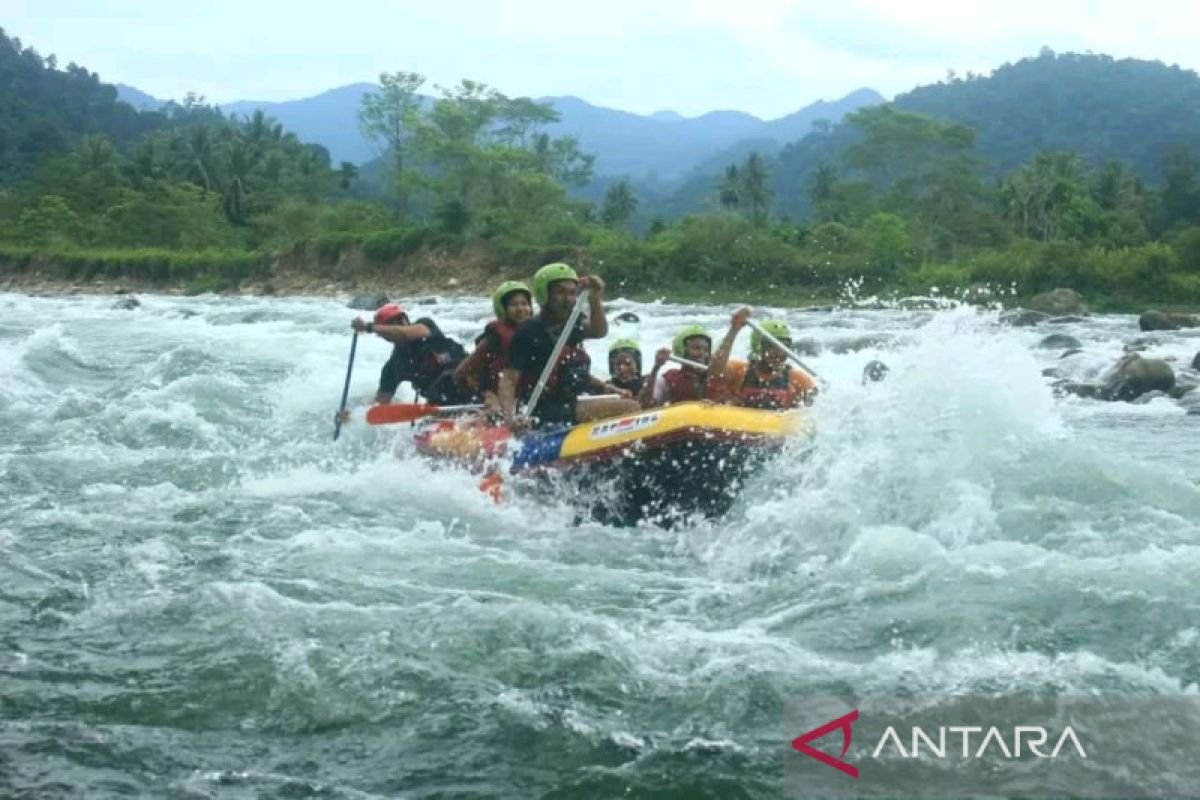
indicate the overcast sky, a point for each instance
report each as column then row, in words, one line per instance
column 768, row 57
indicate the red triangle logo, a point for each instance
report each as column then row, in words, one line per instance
column 801, row 743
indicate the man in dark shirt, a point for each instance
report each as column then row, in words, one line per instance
column 422, row 355
column 555, row 287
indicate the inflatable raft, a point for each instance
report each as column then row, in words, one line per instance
column 661, row 463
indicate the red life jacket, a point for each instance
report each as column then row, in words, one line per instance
column 498, row 357
column 683, row 386
column 774, row 393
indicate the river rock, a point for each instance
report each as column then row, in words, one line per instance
column 1058, row 302
column 1023, row 317
column 1183, row 387
column 368, row 302
column 1196, row 362
column 1051, row 372
column 627, row 316
column 1065, row 320
column 875, row 370
column 1148, row 397
column 1059, row 341
column 858, row 343
column 1133, row 376
column 1074, row 351
column 1088, row 390
column 806, row 347
column 126, row 303
column 1153, row 320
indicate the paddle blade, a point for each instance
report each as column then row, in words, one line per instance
column 399, row 412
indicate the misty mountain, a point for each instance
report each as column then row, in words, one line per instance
column 137, row 98
column 663, row 145
column 329, row 119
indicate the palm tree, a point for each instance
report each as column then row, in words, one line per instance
column 620, row 204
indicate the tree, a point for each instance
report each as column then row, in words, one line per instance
column 49, row 221
column 347, row 173
column 729, row 193
column 620, row 204
column 756, row 194
column 887, row 238
column 389, row 116
column 1181, row 188
column 821, row 191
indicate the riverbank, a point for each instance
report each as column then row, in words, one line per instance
column 463, row 272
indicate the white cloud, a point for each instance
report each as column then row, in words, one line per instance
column 764, row 56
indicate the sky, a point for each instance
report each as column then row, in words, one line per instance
column 766, row 57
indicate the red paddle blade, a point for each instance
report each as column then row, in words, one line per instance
column 399, row 412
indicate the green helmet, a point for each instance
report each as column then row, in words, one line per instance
column 500, row 296
column 776, row 328
column 548, row 275
column 690, row 332
column 622, row 346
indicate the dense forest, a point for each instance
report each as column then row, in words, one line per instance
column 1069, row 170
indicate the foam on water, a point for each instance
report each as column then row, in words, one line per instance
column 199, row 584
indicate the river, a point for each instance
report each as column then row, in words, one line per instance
column 202, row 596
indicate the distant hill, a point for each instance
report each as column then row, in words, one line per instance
column 137, row 98
column 662, row 145
column 1100, row 107
column 45, row 109
column 329, row 119
column 1104, row 109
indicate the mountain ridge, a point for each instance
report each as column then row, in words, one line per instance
column 664, row 145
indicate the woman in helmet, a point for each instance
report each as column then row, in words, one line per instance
column 480, row 372
column 625, row 367
column 686, row 383
column 555, row 287
column 421, row 355
column 766, row 380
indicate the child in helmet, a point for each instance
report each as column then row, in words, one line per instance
column 685, row 383
column 767, row 380
column 421, row 355
column 480, row 372
column 555, row 287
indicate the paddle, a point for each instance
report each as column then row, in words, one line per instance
column 552, row 362
column 787, row 351
column 337, row 422
column 386, row 414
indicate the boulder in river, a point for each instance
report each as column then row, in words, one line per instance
column 368, row 302
column 1070, row 318
column 1058, row 302
column 859, row 343
column 1023, row 317
column 1133, row 376
column 1153, row 320
column 1060, row 341
column 1074, row 351
column 1196, row 362
column 627, row 316
column 126, row 303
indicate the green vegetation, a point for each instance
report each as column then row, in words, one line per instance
column 892, row 199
